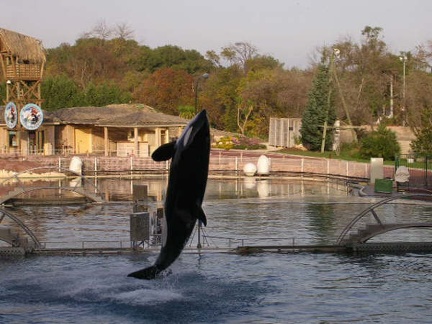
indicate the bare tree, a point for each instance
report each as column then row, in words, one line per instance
column 239, row 53
column 123, row 31
column 243, row 114
column 214, row 58
column 101, row 30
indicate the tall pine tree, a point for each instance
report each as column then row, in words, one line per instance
column 320, row 108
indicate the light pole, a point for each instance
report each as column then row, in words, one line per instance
column 201, row 77
column 403, row 59
column 335, row 53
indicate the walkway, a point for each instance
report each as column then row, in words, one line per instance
column 44, row 185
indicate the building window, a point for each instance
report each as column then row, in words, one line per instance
column 13, row 142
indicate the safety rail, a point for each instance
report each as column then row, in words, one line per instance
column 230, row 242
column 231, row 162
column 371, row 210
column 104, row 244
column 76, row 183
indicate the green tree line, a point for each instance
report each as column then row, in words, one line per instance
column 366, row 81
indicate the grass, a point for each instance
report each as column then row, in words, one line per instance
column 347, row 154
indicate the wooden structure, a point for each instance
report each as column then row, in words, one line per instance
column 284, row 132
column 22, row 62
column 116, row 130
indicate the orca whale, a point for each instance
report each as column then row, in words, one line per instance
column 186, row 187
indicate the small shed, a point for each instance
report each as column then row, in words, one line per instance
column 284, row 132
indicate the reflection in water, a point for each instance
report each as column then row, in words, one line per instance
column 240, row 211
column 322, row 219
column 255, row 187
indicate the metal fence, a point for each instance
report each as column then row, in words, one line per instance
column 419, row 167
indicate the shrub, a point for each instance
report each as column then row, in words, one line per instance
column 246, row 143
column 239, row 142
column 224, row 143
column 380, row 143
column 423, row 144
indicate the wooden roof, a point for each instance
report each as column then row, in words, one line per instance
column 22, row 46
column 110, row 116
column 117, row 116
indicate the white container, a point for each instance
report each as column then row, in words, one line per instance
column 263, row 165
column 76, row 165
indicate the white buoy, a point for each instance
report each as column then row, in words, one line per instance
column 263, row 165
column 76, row 165
column 249, row 169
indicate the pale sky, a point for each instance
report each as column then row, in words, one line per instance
column 288, row 30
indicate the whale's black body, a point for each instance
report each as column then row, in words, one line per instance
column 185, row 193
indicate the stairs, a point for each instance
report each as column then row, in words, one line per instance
column 363, row 234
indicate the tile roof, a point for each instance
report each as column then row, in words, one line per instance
column 117, row 115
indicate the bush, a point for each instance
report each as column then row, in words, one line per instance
column 423, row 144
column 239, row 142
column 224, row 143
column 380, row 143
column 350, row 151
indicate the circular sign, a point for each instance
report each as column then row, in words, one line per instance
column 31, row 116
column 11, row 115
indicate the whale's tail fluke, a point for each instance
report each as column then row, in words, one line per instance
column 147, row 273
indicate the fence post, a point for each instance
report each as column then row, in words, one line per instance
column 95, row 166
column 366, row 174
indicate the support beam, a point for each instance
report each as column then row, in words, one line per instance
column 106, row 142
column 136, row 143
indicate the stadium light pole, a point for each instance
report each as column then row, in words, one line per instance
column 201, row 77
column 403, row 59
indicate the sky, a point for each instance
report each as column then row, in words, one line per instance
column 288, row 30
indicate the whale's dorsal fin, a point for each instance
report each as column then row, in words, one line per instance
column 202, row 217
column 164, row 152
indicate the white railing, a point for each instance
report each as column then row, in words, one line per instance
column 219, row 162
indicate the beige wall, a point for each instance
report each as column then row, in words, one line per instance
column 84, row 139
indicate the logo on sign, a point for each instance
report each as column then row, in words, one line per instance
column 11, row 115
column 31, row 116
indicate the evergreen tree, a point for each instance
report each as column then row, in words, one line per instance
column 61, row 92
column 319, row 109
column 105, row 93
column 422, row 145
column 380, row 143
